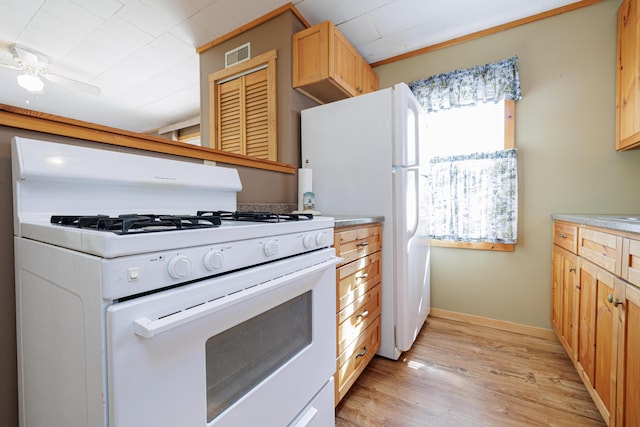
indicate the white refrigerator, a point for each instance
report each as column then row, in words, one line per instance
column 364, row 153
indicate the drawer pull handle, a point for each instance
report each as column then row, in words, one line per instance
column 362, row 244
column 572, row 269
column 363, row 314
column 362, row 353
column 615, row 301
column 363, row 276
column 564, row 236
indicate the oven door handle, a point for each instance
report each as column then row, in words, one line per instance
column 147, row 328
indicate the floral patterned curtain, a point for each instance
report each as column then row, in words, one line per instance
column 473, row 197
column 483, row 83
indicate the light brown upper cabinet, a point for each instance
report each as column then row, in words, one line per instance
column 327, row 68
column 628, row 76
column 243, row 108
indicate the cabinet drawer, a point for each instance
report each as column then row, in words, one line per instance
column 602, row 249
column 355, row 243
column 566, row 236
column 355, row 357
column 354, row 318
column 357, row 278
column 631, row 261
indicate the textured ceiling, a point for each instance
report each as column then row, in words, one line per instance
column 141, row 53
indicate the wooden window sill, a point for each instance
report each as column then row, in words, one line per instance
column 483, row 246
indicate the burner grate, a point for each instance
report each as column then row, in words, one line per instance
column 255, row 216
column 136, row 223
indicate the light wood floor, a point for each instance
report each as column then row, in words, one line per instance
column 458, row 374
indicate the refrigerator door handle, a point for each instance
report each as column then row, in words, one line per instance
column 408, row 200
column 416, row 201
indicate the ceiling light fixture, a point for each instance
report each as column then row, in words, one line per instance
column 30, row 82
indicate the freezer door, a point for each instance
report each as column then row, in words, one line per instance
column 411, row 257
column 406, row 126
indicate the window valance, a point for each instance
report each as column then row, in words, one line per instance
column 483, row 83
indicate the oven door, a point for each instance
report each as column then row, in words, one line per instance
column 209, row 354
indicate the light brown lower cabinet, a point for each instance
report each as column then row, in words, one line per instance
column 597, row 337
column 628, row 377
column 596, row 315
column 564, row 292
column 358, row 302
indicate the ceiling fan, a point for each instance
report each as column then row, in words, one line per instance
column 34, row 67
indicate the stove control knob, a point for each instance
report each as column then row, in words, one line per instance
column 213, row 260
column 308, row 241
column 321, row 239
column 271, row 248
column 179, row 267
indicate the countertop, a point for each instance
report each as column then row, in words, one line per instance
column 350, row 220
column 622, row 222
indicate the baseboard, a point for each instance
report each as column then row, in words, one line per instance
column 493, row 323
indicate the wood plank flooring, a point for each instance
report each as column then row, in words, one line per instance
column 459, row 374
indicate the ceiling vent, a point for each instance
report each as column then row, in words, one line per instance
column 237, row 55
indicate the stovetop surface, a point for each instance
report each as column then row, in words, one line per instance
column 151, row 223
column 110, row 244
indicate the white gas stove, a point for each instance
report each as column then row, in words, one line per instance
column 152, row 302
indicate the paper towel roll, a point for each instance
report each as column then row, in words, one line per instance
column 305, row 184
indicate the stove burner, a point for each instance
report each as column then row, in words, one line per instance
column 134, row 223
column 255, row 216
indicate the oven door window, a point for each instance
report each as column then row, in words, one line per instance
column 240, row 358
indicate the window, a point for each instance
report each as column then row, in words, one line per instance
column 243, row 108
column 487, row 127
column 469, row 155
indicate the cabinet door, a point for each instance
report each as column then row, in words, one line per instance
column 310, row 55
column 367, row 78
column 628, row 378
column 565, row 299
column 556, row 291
column 597, row 337
column 628, row 76
column 343, row 64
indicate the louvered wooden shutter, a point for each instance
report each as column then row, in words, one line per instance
column 229, row 118
column 257, row 115
column 244, row 111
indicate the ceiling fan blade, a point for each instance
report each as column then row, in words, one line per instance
column 9, row 66
column 29, row 58
column 75, row 84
